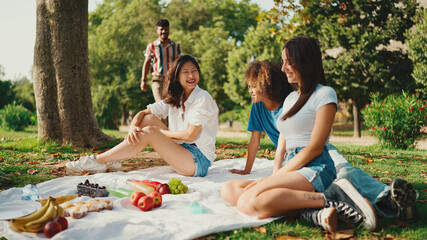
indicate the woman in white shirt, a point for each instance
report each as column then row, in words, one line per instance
column 303, row 172
column 188, row 145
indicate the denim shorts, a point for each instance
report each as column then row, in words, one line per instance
column 201, row 162
column 320, row 172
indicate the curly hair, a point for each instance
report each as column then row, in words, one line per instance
column 173, row 90
column 268, row 78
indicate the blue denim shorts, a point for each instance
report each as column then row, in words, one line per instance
column 201, row 162
column 320, row 172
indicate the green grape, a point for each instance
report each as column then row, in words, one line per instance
column 177, row 187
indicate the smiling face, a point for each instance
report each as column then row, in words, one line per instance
column 189, row 77
column 256, row 94
column 163, row 33
column 293, row 75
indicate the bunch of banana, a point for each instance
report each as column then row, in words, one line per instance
column 35, row 222
column 59, row 199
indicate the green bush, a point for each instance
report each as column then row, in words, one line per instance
column 238, row 114
column 396, row 120
column 106, row 107
column 15, row 117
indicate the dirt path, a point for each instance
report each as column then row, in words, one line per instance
column 238, row 131
column 364, row 140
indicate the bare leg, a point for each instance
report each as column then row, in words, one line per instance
column 231, row 190
column 279, row 195
column 178, row 157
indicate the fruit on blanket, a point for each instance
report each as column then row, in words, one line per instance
column 62, row 221
column 91, row 189
column 135, row 198
column 164, row 189
column 59, row 199
column 157, row 199
column 18, row 223
column 38, row 224
column 51, row 229
column 140, row 187
column 145, row 203
column 152, row 184
column 177, row 187
column 36, row 221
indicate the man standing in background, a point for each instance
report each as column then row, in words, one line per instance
column 158, row 57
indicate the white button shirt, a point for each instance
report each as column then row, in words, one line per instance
column 200, row 109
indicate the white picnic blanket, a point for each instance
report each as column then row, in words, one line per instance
column 171, row 221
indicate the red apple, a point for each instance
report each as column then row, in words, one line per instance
column 63, row 221
column 51, row 229
column 145, row 203
column 134, row 198
column 157, row 198
column 164, row 189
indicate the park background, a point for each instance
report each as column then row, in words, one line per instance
column 371, row 50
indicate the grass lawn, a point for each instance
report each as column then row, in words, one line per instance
column 24, row 160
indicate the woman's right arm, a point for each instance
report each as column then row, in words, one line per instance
column 252, row 150
column 280, row 153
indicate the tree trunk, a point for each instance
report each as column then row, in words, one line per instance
column 357, row 132
column 125, row 114
column 61, row 74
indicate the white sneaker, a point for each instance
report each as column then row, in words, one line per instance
column 114, row 166
column 327, row 218
column 86, row 164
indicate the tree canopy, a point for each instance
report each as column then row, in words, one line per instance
column 417, row 42
column 119, row 31
column 358, row 39
column 362, row 34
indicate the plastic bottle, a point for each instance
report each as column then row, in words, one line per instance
column 140, row 187
column 196, row 208
column 30, row 192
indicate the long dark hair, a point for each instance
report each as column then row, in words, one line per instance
column 173, row 90
column 304, row 55
column 269, row 79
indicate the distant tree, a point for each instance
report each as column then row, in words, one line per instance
column 105, row 102
column 24, row 93
column 119, row 31
column 259, row 44
column 189, row 15
column 6, row 92
column 363, row 31
column 417, row 42
column 118, row 36
column 213, row 60
column 61, row 74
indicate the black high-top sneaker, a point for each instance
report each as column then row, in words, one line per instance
column 403, row 195
column 350, row 205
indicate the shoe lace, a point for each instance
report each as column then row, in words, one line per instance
column 346, row 211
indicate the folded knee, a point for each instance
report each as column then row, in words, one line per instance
column 227, row 192
column 148, row 119
column 147, row 130
column 248, row 205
